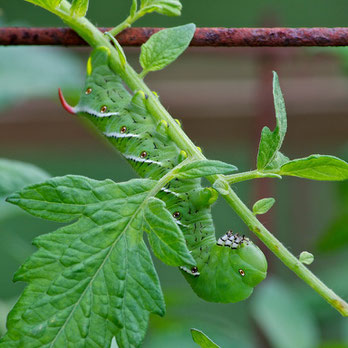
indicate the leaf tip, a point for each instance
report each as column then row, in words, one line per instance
column 13, row 199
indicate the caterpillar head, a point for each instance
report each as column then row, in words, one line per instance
column 229, row 272
column 103, row 94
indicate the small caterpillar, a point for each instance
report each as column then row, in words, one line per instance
column 222, row 274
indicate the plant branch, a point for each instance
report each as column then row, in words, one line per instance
column 126, row 23
column 252, row 174
column 129, row 21
column 96, row 39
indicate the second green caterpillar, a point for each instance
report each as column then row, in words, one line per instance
column 227, row 270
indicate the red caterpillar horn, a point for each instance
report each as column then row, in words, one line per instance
column 65, row 105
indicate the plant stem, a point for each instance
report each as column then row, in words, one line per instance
column 252, row 174
column 127, row 22
column 96, row 39
column 122, row 26
column 283, row 254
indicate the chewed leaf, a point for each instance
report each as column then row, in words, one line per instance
column 204, row 168
column 165, row 7
column 271, row 142
column 165, row 46
column 165, row 237
column 95, row 274
column 79, row 7
column 317, row 167
column 202, row 339
column 263, row 206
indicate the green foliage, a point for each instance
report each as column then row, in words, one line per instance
column 317, row 167
column 165, row 7
column 47, row 4
column 21, row 66
column 79, row 8
column 119, row 49
column 165, row 46
column 278, row 161
column 204, row 168
column 133, row 8
column 221, row 186
column 271, row 142
column 306, row 258
column 202, row 339
column 271, row 161
column 283, row 317
column 263, row 206
column 165, row 237
column 15, row 174
column 104, row 275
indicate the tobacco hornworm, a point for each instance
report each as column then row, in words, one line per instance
column 227, row 270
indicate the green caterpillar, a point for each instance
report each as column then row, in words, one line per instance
column 227, row 270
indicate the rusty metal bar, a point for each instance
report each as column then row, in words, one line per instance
column 252, row 37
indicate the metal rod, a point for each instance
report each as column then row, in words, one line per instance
column 252, row 37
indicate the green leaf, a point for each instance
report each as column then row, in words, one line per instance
column 317, row 167
column 306, row 258
column 202, row 340
column 79, row 8
column 14, row 175
column 263, row 206
column 90, row 280
column 271, row 142
column 165, row 46
column 222, row 187
column 133, row 8
column 55, row 3
column 278, row 161
column 119, row 49
column 204, row 168
column 283, row 317
column 47, row 4
column 165, row 7
column 165, row 237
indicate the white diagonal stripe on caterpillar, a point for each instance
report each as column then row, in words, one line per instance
column 169, row 191
column 142, row 160
column 180, row 223
column 185, row 269
column 95, row 113
column 121, row 135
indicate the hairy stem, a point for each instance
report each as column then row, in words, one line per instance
column 95, row 38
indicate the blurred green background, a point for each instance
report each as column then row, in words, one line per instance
column 223, row 97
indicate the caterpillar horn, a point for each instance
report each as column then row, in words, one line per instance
column 65, row 105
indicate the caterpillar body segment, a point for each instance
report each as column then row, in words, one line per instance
column 127, row 124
